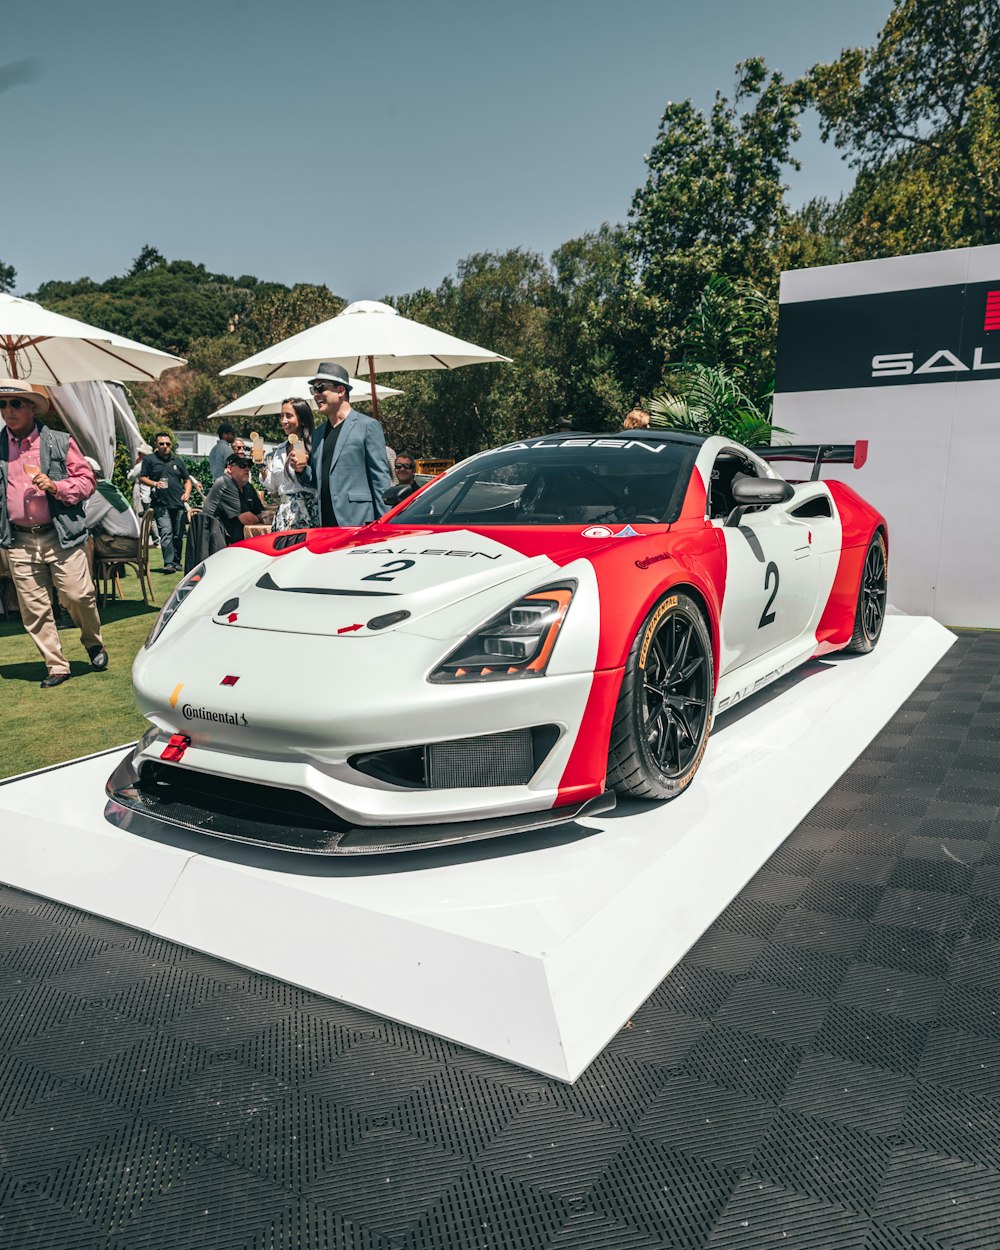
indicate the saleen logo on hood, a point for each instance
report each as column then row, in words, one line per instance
column 425, row 551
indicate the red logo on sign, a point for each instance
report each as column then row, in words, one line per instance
column 229, row 681
column 992, row 318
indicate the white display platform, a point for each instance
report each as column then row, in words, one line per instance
column 535, row 948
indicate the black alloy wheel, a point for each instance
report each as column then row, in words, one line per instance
column 870, row 614
column 664, row 711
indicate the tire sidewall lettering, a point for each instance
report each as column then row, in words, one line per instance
column 650, row 632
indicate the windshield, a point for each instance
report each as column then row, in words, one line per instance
column 571, row 482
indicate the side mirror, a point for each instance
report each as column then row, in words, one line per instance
column 757, row 492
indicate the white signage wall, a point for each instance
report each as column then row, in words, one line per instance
column 905, row 353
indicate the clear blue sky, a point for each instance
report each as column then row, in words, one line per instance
column 368, row 145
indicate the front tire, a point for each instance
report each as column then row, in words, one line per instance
column 870, row 612
column 664, row 710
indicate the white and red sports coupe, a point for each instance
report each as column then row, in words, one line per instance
column 543, row 627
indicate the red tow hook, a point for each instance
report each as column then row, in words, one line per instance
column 174, row 750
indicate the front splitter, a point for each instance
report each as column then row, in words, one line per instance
column 235, row 816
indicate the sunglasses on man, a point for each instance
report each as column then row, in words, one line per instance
column 15, row 404
column 403, row 464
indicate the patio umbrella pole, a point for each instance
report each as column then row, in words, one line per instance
column 371, row 376
column 11, row 351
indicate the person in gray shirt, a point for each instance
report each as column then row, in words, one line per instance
column 222, row 450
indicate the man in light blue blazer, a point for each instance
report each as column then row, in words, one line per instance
column 348, row 453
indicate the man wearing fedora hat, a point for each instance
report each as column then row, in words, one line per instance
column 44, row 481
column 348, row 453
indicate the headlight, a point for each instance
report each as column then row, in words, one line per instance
column 515, row 643
column 178, row 595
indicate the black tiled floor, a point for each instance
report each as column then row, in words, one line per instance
column 821, row 1071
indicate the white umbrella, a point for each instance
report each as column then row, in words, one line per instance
column 48, row 349
column 366, row 337
column 269, row 396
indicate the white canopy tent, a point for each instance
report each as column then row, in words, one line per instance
column 45, row 348
column 269, row 396
column 73, row 363
column 369, row 337
column 96, row 413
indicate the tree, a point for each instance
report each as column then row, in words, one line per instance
column 8, row 276
column 279, row 313
column 814, row 236
column 147, row 259
column 167, row 304
column 601, row 331
column 721, row 384
column 919, row 116
column 499, row 301
column 713, row 201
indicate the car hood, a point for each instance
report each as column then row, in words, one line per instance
column 350, row 589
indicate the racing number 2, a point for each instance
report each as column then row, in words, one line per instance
column 766, row 617
column 388, row 571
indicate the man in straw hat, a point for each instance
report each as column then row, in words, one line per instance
column 44, row 481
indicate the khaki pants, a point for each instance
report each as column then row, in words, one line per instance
column 37, row 566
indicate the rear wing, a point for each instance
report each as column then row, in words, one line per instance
column 817, row 454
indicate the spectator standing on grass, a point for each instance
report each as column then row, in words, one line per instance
column 44, row 481
column 288, row 473
column 348, row 453
column 222, row 450
column 167, row 477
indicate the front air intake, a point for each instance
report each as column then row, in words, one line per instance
column 502, row 759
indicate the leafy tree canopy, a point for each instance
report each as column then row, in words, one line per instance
column 8, row 276
column 167, row 304
column 919, row 115
column 720, row 384
column 713, row 201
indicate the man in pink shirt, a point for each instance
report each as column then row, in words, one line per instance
column 44, row 481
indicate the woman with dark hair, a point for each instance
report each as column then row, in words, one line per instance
column 288, row 473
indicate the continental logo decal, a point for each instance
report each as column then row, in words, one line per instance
column 658, row 616
column 222, row 718
column 648, row 560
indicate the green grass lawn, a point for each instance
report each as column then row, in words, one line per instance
column 94, row 710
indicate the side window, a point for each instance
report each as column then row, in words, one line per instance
column 720, row 499
column 818, row 507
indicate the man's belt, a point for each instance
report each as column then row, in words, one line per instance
column 33, row 529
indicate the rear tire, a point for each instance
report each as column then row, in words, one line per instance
column 870, row 612
column 664, row 710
